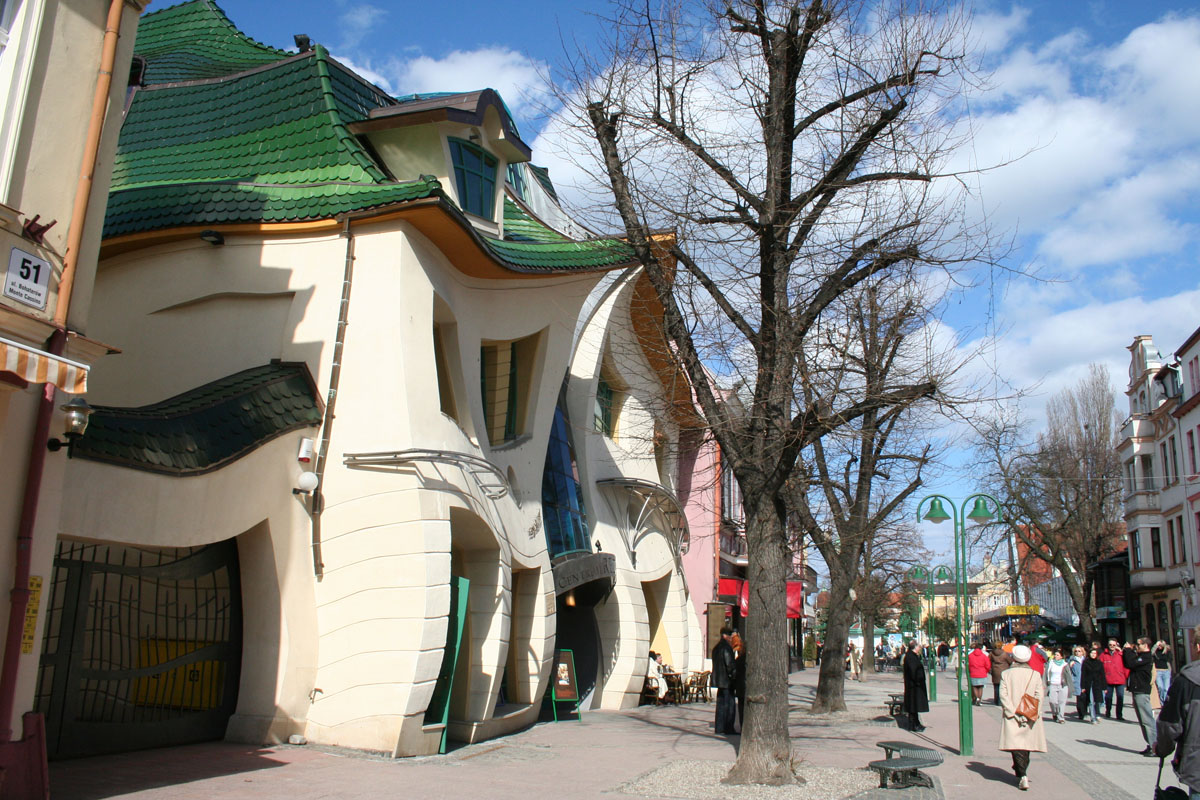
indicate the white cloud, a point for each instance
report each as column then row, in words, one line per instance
column 356, row 22
column 516, row 76
column 377, row 78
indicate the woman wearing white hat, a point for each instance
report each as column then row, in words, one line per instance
column 1021, row 735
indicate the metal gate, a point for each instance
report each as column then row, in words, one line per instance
column 142, row 647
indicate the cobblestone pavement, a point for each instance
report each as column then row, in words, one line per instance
column 592, row 758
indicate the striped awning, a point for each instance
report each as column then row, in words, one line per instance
column 37, row 366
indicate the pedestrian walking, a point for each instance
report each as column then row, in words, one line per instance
column 1094, row 681
column 1140, row 664
column 1022, row 731
column 1001, row 660
column 1178, row 729
column 1116, row 675
column 739, row 677
column 916, row 697
column 1075, row 664
column 1059, row 687
column 979, row 666
column 1162, row 668
column 723, row 674
column 855, row 663
column 943, row 654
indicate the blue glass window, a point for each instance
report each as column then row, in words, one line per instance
column 563, row 510
column 475, row 172
column 516, row 179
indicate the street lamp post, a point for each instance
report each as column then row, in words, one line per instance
column 979, row 513
column 928, row 575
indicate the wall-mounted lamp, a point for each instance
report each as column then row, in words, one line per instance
column 597, row 545
column 474, row 135
column 306, row 483
column 303, row 43
column 77, row 411
column 215, row 238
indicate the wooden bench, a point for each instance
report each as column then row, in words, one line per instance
column 905, row 769
column 895, row 704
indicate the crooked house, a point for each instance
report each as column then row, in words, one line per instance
column 386, row 430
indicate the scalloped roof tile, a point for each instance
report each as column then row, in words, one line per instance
column 206, row 427
column 228, row 130
column 196, row 40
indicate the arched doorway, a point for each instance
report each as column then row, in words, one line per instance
column 142, row 647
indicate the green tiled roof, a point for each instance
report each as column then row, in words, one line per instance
column 521, row 227
column 532, row 245
column 230, row 131
column 207, row 427
column 196, row 40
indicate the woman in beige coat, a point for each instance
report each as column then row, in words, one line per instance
column 1018, row 735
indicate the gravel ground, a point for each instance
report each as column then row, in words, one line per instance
column 701, row 780
column 853, row 714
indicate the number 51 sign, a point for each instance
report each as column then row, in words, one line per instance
column 28, row 279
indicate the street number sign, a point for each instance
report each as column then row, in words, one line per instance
column 28, row 279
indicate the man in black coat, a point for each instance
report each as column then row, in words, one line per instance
column 1140, row 664
column 916, row 698
column 723, row 675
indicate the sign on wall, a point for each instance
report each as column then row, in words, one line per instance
column 28, row 279
column 28, row 637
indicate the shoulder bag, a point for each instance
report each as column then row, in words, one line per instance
column 1029, row 707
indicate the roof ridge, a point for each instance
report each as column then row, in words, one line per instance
column 212, row 6
column 267, row 184
column 353, row 146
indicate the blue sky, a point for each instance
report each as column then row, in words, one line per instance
column 1103, row 98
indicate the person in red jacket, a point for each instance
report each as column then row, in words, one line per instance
column 1116, row 675
column 1037, row 657
column 979, row 667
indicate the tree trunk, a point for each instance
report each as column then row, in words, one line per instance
column 831, row 683
column 868, row 648
column 765, row 754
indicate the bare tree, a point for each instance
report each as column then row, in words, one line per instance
column 792, row 149
column 887, row 558
column 852, row 483
column 1062, row 491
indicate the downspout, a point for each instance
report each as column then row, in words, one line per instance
column 19, row 596
column 717, row 467
column 335, row 376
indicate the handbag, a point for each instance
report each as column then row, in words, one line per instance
column 1029, row 707
column 1170, row 792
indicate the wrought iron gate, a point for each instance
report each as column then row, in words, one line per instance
column 142, row 647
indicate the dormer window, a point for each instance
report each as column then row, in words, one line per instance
column 475, row 173
column 516, row 179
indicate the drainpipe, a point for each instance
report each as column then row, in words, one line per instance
column 19, row 597
column 335, row 376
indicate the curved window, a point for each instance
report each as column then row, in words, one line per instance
column 475, row 173
column 563, row 509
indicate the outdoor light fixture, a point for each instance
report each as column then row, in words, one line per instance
column 936, row 512
column 77, row 411
column 980, row 512
column 215, row 238
column 303, row 43
column 306, row 483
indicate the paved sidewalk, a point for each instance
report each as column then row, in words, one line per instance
column 594, row 757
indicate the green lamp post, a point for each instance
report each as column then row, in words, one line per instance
column 928, row 575
column 979, row 513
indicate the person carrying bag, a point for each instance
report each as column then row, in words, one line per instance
column 1021, row 696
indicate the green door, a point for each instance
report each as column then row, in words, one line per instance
column 438, row 712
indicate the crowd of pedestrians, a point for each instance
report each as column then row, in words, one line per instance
column 1035, row 685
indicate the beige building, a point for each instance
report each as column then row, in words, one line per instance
column 385, row 435
column 58, row 131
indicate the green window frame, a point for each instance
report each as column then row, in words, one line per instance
column 510, row 400
column 602, row 419
column 475, row 174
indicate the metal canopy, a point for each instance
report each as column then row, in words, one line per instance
column 652, row 497
column 487, row 475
